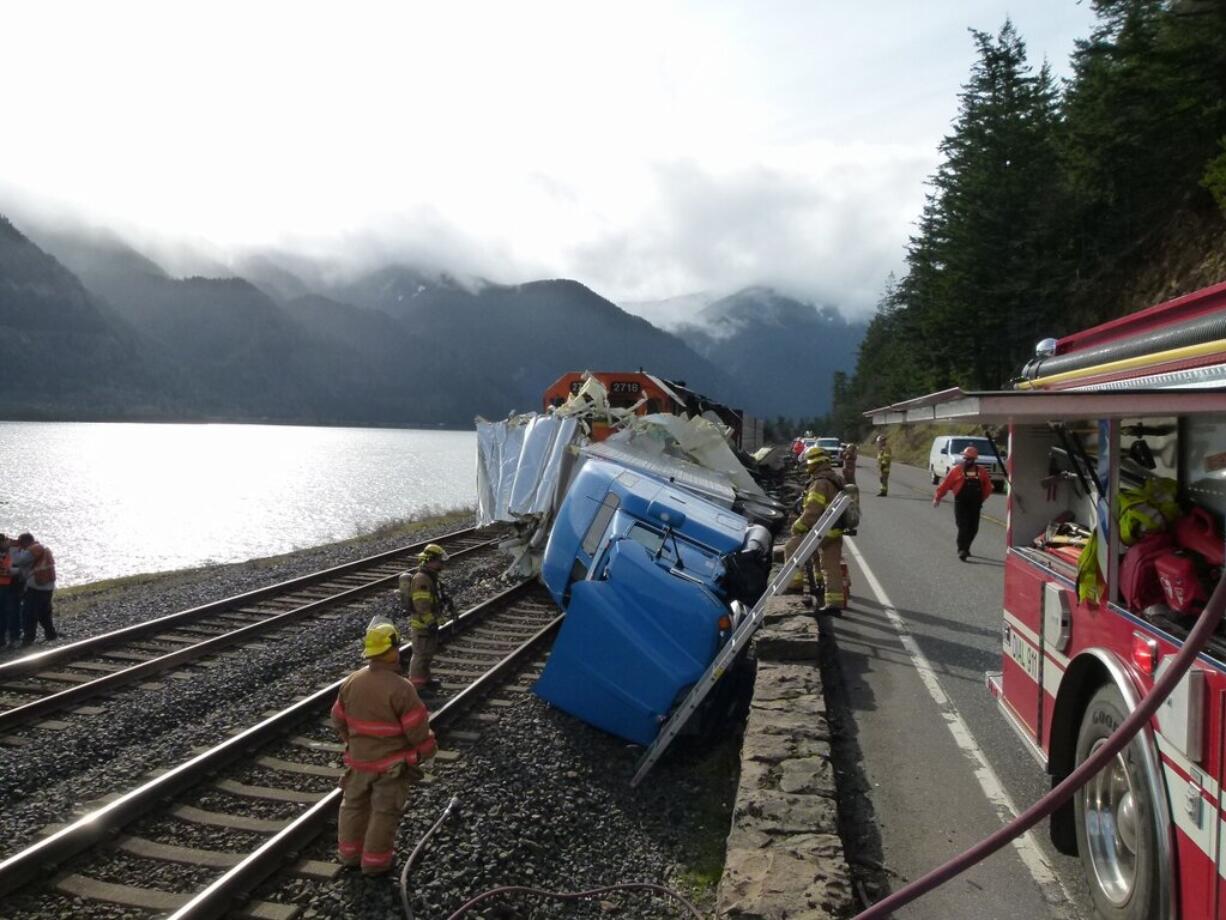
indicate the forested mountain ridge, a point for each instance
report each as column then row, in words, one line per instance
column 784, row 352
column 1058, row 207
column 392, row 346
column 60, row 346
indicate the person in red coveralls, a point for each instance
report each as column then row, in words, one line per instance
column 971, row 486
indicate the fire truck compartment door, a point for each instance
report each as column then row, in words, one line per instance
column 1181, row 717
column 998, row 407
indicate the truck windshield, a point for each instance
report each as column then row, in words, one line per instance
column 957, row 445
column 652, row 539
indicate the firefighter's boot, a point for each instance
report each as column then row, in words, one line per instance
column 796, row 584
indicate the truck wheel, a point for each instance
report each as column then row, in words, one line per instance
column 936, row 480
column 1116, row 829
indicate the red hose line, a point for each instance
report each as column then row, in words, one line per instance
column 1137, row 719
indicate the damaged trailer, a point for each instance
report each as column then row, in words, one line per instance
column 647, row 529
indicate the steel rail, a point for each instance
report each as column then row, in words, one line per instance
column 42, row 659
column 229, row 890
column 39, row 858
column 19, row 715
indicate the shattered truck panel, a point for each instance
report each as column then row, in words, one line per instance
column 646, row 573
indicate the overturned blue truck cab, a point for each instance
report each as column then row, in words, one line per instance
column 652, row 579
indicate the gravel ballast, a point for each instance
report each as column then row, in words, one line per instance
column 141, row 731
column 544, row 799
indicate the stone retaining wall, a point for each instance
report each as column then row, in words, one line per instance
column 785, row 857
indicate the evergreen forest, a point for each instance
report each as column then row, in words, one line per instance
column 1057, row 204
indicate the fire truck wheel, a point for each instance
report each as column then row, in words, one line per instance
column 1116, row 830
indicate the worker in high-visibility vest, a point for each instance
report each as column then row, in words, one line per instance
column 824, row 485
column 386, row 731
column 424, row 600
column 883, row 463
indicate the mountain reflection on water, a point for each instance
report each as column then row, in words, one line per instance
column 114, row 499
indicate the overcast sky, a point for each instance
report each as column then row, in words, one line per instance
column 649, row 149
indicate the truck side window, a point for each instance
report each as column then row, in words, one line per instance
column 600, row 523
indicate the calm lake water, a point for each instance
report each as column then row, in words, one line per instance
column 116, row 499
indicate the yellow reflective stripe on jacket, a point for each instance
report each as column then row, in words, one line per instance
column 422, row 596
column 816, row 498
column 421, row 621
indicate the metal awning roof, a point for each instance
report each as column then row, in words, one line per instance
column 1041, row 406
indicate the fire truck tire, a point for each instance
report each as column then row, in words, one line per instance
column 1117, row 833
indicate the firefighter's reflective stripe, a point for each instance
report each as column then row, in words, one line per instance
column 370, row 729
column 813, row 499
column 377, row 860
column 347, row 849
column 412, row 757
column 424, row 600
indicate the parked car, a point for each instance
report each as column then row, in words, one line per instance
column 832, row 446
column 947, row 450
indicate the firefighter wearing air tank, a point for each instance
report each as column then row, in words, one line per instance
column 424, row 600
column 971, row 485
column 386, row 731
column 824, row 485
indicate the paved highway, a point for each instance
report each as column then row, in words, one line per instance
column 942, row 769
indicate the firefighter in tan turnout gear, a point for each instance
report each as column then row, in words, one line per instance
column 824, row 485
column 884, row 458
column 386, row 731
column 424, row 600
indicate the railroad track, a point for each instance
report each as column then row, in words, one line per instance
column 62, row 678
column 206, row 832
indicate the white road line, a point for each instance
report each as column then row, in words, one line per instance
column 1057, row 896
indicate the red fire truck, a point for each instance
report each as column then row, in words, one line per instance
column 1117, row 465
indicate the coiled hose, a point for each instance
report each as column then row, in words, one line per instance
column 520, row 889
column 1137, row 719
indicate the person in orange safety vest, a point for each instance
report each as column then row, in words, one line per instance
column 971, row 485
column 386, row 731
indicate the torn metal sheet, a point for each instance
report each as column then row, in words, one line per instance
column 696, row 440
column 524, row 465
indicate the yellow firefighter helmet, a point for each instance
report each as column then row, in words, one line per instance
column 431, row 553
column 815, row 457
column 381, row 637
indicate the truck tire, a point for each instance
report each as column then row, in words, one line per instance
column 936, row 480
column 1117, row 834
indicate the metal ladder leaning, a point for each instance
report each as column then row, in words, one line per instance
column 739, row 639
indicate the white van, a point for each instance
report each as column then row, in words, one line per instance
column 947, row 450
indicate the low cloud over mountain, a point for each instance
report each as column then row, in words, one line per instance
column 299, row 342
